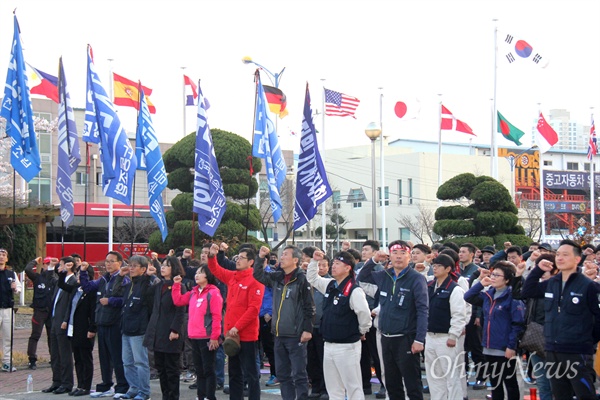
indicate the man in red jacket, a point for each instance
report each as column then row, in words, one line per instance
column 244, row 298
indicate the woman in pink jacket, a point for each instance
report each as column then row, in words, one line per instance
column 204, row 326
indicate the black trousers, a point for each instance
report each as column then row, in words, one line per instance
column 266, row 339
column 41, row 317
column 473, row 345
column 369, row 357
column 571, row 373
column 503, row 375
column 401, row 367
column 314, row 367
column 111, row 358
column 84, row 366
column 62, row 359
column 204, row 362
column 167, row 365
column 244, row 366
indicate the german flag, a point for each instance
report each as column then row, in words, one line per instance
column 127, row 93
column 277, row 100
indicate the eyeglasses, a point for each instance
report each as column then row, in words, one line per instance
column 242, row 257
column 495, row 275
column 110, row 261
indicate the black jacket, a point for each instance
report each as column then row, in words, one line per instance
column 44, row 284
column 138, row 299
column 61, row 302
column 165, row 318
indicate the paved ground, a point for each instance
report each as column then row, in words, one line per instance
column 14, row 385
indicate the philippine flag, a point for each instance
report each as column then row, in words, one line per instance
column 191, row 91
column 42, row 83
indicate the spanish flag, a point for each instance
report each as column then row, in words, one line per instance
column 277, row 100
column 127, row 94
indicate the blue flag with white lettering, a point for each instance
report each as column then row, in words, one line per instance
column 266, row 145
column 16, row 108
column 209, row 198
column 312, row 187
column 149, row 158
column 103, row 127
column 68, row 149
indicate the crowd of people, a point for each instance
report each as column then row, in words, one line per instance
column 324, row 325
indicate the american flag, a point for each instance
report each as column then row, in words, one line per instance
column 339, row 104
column 592, row 147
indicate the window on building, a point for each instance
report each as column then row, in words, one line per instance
column 336, row 197
column 361, row 234
column 399, row 191
column 81, row 178
column 404, row 234
column 586, row 166
column 356, row 197
column 380, row 238
column 573, row 166
column 98, row 178
column 547, row 163
column 40, row 190
column 410, row 191
column 386, row 192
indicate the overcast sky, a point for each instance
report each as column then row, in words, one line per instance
column 413, row 49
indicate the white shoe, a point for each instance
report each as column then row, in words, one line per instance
column 109, row 393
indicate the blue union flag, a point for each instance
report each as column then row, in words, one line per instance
column 312, row 187
column 209, row 198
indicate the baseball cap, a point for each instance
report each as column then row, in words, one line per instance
column 545, row 246
column 488, row 249
column 47, row 260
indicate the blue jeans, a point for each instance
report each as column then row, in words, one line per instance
column 540, row 374
column 220, row 366
column 290, row 358
column 136, row 365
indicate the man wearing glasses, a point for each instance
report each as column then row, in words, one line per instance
column 109, row 290
column 244, row 298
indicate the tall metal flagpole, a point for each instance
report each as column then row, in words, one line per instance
column 440, row 146
column 184, row 105
column 494, row 155
column 592, row 183
column 381, row 168
column 323, row 209
column 110, row 199
column 542, row 203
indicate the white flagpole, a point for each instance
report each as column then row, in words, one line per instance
column 542, row 203
column 494, row 155
column 381, row 167
column 184, row 100
column 592, row 184
column 323, row 210
column 440, row 146
column 110, row 199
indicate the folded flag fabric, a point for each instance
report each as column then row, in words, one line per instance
column 191, row 91
column 593, row 146
column 339, row 104
column 277, row 100
column 451, row 123
column 127, row 94
column 508, row 130
column 42, row 83
column 545, row 136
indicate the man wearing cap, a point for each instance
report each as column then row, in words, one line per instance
column 44, row 282
column 346, row 320
column 404, row 308
column 293, row 317
column 447, row 320
column 9, row 285
column 486, row 254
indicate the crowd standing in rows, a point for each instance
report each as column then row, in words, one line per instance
column 321, row 323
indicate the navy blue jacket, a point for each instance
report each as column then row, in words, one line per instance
column 572, row 315
column 504, row 317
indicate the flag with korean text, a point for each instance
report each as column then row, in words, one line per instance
column 68, row 149
column 339, row 104
column 209, row 198
column 265, row 144
column 16, row 109
column 312, row 187
column 149, row 158
column 593, row 146
column 103, row 127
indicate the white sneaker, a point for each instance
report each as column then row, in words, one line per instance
column 6, row 368
column 109, row 393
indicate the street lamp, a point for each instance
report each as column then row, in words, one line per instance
column 373, row 131
column 273, row 77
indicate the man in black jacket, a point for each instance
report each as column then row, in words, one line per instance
column 293, row 315
column 44, row 282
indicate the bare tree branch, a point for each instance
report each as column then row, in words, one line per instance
column 420, row 225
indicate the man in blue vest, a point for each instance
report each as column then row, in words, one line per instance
column 572, row 322
column 346, row 319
